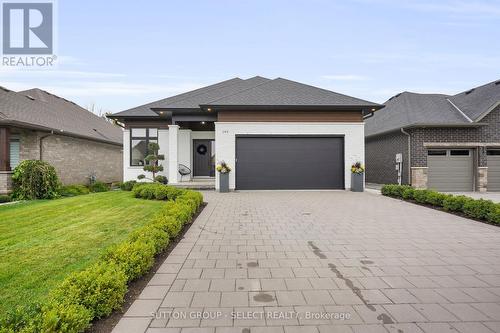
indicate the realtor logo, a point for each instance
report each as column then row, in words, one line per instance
column 28, row 29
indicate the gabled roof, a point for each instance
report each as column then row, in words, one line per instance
column 256, row 91
column 146, row 109
column 38, row 109
column 412, row 109
column 479, row 101
column 209, row 96
column 283, row 92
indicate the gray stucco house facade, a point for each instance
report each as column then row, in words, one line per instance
column 35, row 124
column 448, row 143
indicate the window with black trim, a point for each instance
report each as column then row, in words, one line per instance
column 459, row 152
column 139, row 141
column 436, row 152
column 493, row 152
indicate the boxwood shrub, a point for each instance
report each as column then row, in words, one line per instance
column 479, row 209
column 73, row 190
column 128, row 185
column 100, row 288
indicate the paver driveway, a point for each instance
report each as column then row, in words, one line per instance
column 324, row 262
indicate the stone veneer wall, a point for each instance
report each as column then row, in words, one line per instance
column 5, row 182
column 75, row 159
column 380, row 158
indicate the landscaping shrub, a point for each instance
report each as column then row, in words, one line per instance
column 420, row 196
column 128, row 185
column 408, row 193
column 454, row 203
column 134, row 258
column 494, row 214
column 100, row 288
column 98, row 186
column 168, row 224
column 73, row 190
column 63, row 317
column 161, row 179
column 394, row 190
column 478, row 209
column 156, row 191
column 154, row 234
column 34, row 179
column 435, row 198
column 5, row 198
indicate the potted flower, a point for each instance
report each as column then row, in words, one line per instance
column 223, row 169
column 357, row 177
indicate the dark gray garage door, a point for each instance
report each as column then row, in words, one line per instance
column 493, row 170
column 289, row 162
column 450, row 170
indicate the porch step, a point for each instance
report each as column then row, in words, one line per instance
column 196, row 185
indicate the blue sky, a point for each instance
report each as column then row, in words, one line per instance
column 119, row 54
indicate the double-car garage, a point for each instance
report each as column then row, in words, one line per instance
column 284, row 162
column 453, row 170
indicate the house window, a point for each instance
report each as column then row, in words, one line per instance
column 14, row 145
column 436, row 152
column 139, row 141
column 459, row 152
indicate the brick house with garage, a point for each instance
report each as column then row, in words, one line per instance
column 37, row 125
column 442, row 142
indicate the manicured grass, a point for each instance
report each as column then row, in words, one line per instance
column 42, row 241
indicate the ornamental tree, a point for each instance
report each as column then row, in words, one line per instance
column 152, row 162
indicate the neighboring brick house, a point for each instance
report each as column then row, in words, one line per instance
column 448, row 143
column 35, row 124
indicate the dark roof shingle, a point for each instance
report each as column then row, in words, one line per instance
column 411, row 109
column 476, row 102
column 283, row 92
column 256, row 91
column 40, row 109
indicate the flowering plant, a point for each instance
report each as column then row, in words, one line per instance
column 222, row 167
column 357, row 168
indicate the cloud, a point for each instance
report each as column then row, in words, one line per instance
column 346, row 77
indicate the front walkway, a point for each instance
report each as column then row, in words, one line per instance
column 289, row 262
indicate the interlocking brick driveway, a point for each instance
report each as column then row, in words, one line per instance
column 288, row 262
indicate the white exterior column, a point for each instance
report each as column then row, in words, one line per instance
column 173, row 156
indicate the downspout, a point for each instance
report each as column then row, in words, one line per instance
column 409, row 153
column 41, row 143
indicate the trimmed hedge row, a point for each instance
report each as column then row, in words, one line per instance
column 99, row 289
column 479, row 209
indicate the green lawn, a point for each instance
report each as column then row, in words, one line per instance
column 42, row 241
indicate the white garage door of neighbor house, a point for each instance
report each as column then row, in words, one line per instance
column 450, row 170
column 493, row 169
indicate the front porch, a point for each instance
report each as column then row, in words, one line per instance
column 188, row 147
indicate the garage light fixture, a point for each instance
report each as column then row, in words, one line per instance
column 203, row 123
column 209, row 109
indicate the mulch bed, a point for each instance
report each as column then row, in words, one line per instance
column 106, row 325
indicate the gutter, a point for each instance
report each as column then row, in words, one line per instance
column 41, row 144
column 409, row 153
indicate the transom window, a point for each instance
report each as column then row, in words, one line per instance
column 436, row 152
column 459, row 152
column 139, row 141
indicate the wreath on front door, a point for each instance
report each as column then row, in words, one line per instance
column 202, row 149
